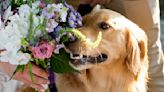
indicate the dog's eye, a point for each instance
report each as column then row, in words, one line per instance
column 104, row 26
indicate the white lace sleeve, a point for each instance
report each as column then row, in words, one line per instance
column 7, row 85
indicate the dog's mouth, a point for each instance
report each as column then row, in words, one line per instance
column 78, row 60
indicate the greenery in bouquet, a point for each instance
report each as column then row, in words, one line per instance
column 35, row 32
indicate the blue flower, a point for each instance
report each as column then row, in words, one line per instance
column 72, row 15
column 69, row 6
column 75, row 19
column 56, row 31
column 46, row 13
column 72, row 22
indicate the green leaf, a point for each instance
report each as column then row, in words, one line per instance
column 64, row 39
column 43, row 63
column 43, row 28
column 48, row 1
column 17, row 3
column 30, row 71
column 60, row 63
column 37, row 61
column 24, row 42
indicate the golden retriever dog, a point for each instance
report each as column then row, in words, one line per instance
column 118, row 63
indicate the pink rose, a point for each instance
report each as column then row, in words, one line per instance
column 43, row 50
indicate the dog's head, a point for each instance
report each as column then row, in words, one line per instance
column 120, row 40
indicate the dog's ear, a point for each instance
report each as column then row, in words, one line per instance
column 96, row 8
column 137, row 52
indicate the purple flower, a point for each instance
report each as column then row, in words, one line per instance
column 72, row 15
column 51, row 25
column 47, row 14
column 72, row 23
column 58, row 47
column 75, row 19
column 69, row 6
column 56, row 31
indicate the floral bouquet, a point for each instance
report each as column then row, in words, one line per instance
column 35, row 32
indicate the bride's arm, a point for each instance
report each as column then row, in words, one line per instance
column 40, row 76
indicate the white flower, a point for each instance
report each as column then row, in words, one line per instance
column 1, row 23
column 7, row 13
column 36, row 21
column 4, row 4
column 62, row 12
column 51, row 25
column 35, row 6
column 17, row 29
column 20, row 23
column 24, row 9
column 10, row 40
column 16, row 58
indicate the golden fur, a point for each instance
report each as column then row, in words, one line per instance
column 125, row 70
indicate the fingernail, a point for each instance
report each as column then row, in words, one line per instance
column 45, row 86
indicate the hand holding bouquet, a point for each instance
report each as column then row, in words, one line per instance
column 33, row 33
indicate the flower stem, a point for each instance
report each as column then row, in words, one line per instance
column 30, row 35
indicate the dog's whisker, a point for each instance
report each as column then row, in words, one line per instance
column 96, row 60
column 99, row 53
column 87, row 55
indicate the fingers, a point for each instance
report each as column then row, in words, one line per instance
column 38, row 87
column 38, row 83
column 39, row 72
column 35, row 86
column 37, row 80
column 39, row 75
